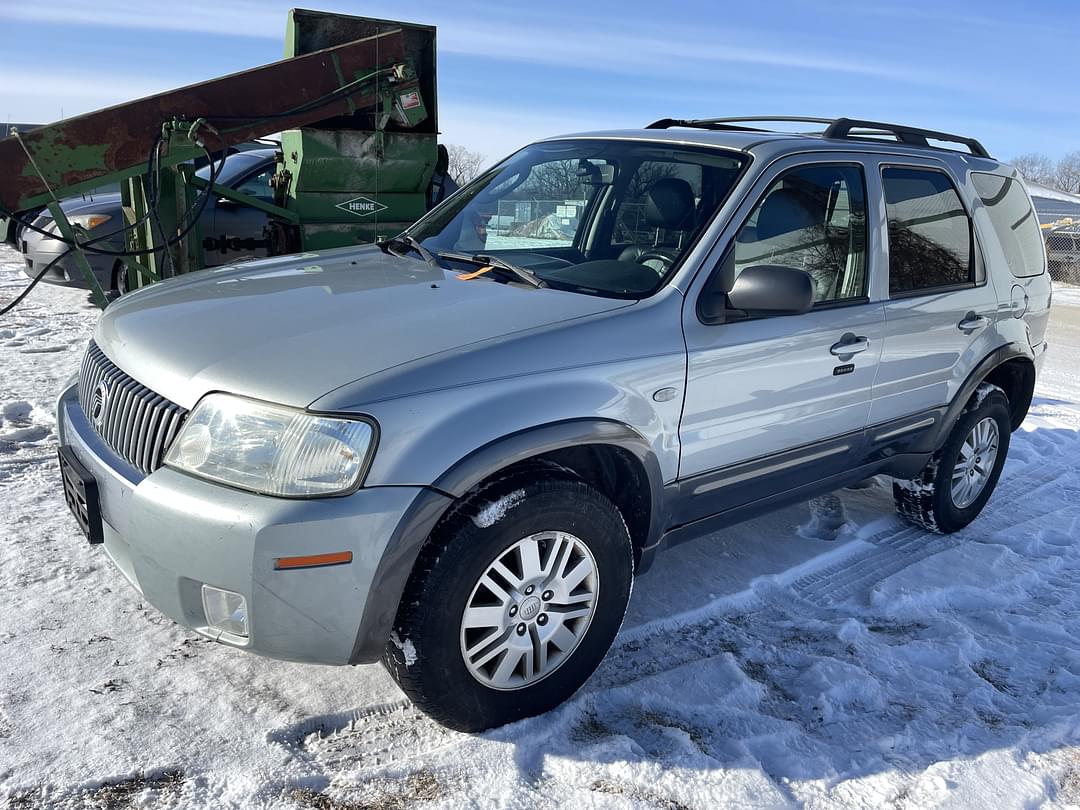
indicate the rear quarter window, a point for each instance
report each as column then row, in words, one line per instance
column 1015, row 222
column 930, row 243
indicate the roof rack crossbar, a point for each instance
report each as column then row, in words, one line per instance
column 797, row 119
column 700, row 123
column 734, row 123
column 837, row 128
column 913, row 136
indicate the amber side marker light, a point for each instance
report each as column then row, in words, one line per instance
column 313, row 560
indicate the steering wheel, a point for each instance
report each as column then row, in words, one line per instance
column 658, row 259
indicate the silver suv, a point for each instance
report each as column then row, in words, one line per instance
column 455, row 450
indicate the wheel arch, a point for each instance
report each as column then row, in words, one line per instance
column 1010, row 367
column 1016, row 377
column 610, row 455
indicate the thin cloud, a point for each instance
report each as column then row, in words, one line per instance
column 236, row 19
column 474, row 35
column 634, row 54
column 43, row 95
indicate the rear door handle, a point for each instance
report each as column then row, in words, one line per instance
column 850, row 344
column 973, row 323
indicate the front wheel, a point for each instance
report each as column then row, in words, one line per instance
column 120, row 284
column 513, row 604
column 957, row 482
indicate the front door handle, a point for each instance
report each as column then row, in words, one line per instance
column 973, row 323
column 850, row 344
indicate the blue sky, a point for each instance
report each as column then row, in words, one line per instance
column 1004, row 72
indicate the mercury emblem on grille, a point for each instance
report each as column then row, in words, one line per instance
column 99, row 404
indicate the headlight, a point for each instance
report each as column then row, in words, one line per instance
column 89, row 221
column 271, row 449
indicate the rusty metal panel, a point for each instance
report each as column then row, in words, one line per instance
column 81, row 152
column 308, row 31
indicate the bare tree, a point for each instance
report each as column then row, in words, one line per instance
column 464, row 163
column 647, row 174
column 557, row 180
column 1036, row 168
column 1068, row 173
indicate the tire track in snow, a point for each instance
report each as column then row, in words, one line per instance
column 374, row 736
column 892, row 551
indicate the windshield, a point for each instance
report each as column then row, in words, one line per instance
column 595, row 216
column 234, row 165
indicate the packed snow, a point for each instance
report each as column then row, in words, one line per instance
column 823, row 656
column 493, row 512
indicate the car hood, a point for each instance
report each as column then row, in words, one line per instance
column 106, row 199
column 293, row 328
column 107, row 202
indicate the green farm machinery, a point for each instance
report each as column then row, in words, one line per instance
column 354, row 101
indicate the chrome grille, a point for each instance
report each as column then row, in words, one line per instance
column 134, row 421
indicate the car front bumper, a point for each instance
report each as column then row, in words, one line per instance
column 170, row 533
column 38, row 251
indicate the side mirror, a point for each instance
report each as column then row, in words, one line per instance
column 773, row 290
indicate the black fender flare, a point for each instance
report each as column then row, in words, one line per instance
column 998, row 357
column 396, row 564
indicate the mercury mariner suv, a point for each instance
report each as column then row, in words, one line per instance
column 453, row 451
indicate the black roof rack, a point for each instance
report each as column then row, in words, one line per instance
column 836, row 128
column 912, row 136
column 734, row 124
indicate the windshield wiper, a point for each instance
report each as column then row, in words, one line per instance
column 486, row 260
column 409, row 241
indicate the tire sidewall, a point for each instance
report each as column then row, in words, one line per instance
column 435, row 630
column 120, row 278
column 950, row 517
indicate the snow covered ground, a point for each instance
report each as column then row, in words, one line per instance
column 759, row 667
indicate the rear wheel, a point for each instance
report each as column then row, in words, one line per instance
column 513, row 604
column 954, row 486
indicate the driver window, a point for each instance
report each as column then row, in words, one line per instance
column 812, row 218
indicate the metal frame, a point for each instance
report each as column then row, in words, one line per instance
column 346, row 77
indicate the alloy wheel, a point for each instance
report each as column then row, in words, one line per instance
column 976, row 462
column 529, row 610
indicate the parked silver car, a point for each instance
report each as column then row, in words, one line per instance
column 231, row 232
column 454, row 452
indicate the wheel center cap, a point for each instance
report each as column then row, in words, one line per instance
column 529, row 608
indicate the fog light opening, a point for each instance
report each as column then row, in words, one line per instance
column 225, row 611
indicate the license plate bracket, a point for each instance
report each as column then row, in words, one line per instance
column 81, row 494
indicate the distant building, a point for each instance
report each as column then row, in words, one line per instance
column 5, row 128
column 1052, row 205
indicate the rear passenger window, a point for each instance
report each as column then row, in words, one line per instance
column 812, row 218
column 930, row 242
column 1014, row 221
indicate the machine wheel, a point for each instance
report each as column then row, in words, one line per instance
column 513, row 603
column 957, row 482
